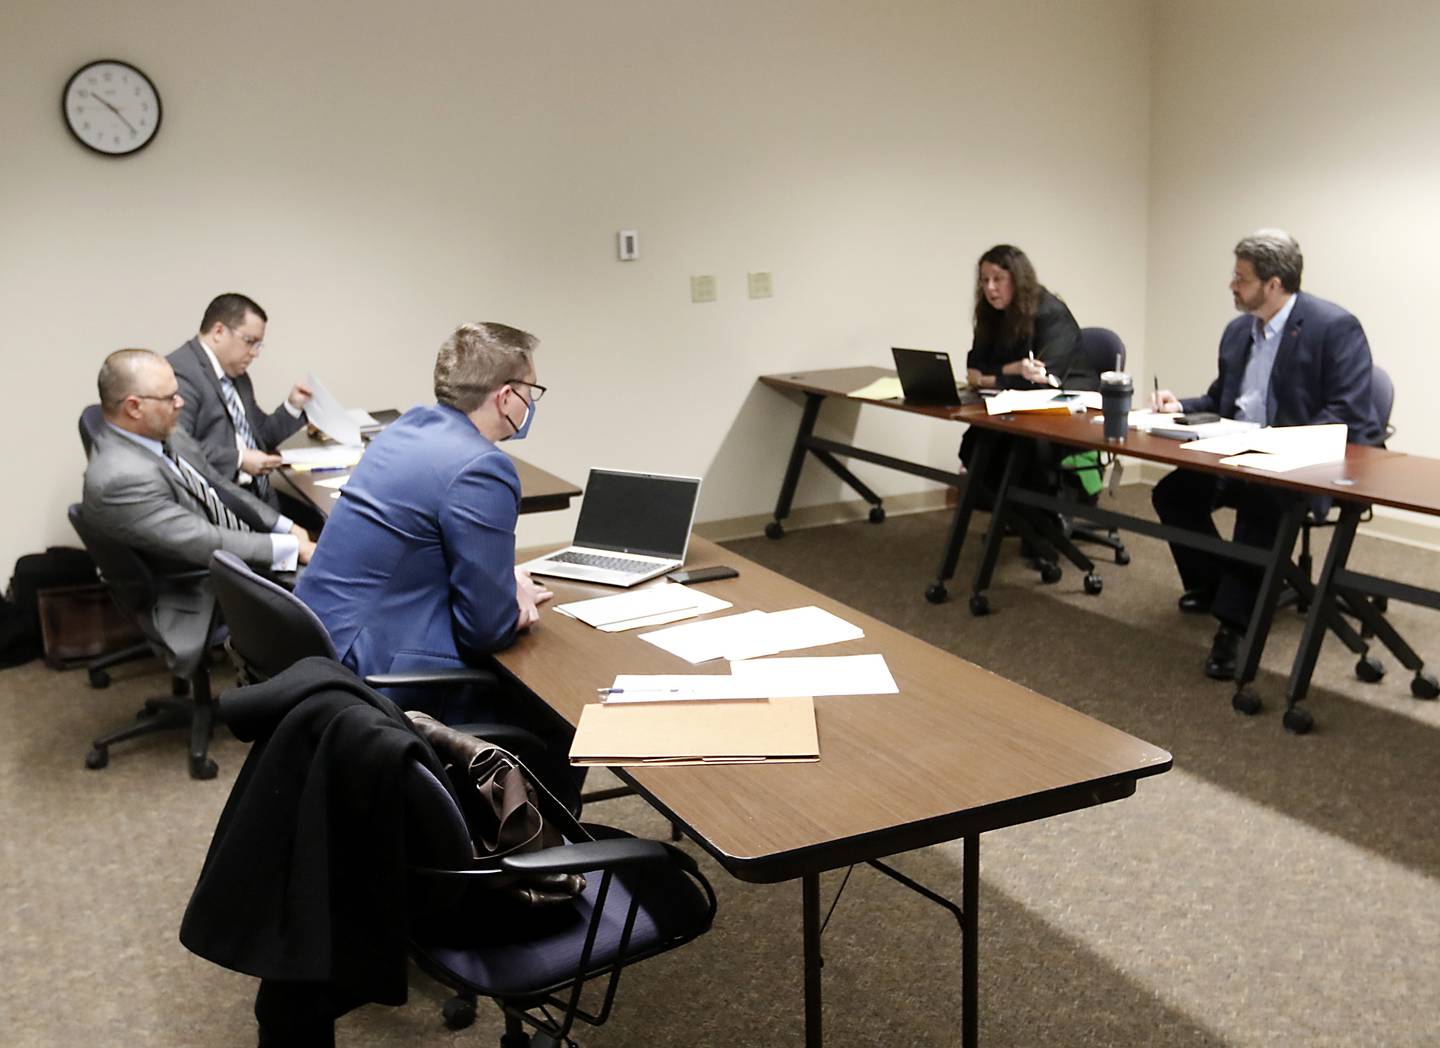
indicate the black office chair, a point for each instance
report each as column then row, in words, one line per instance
column 641, row 899
column 135, row 586
column 1104, row 352
column 90, row 423
column 271, row 629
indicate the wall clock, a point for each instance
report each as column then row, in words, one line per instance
column 111, row 107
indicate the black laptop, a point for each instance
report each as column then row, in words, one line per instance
column 927, row 379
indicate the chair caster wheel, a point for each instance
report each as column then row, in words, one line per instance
column 1094, row 584
column 204, row 768
column 1298, row 720
column 1122, row 557
column 1369, row 669
column 774, row 530
column 877, row 514
column 1050, row 573
column 979, row 605
column 935, row 593
column 99, row 679
column 458, row 1012
column 1246, row 701
column 1424, row 685
column 97, row 758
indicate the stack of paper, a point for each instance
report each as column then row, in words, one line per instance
column 754, row 633
column 1042, row 401
column 330, row 456
column 761, row 679
column 329, row 416
column 763, row 731
column 1278, row 449
column 652, row 606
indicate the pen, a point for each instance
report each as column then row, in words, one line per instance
column 1155, row 400
column 643, row 691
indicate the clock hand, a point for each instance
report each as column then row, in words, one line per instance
column 112, row 109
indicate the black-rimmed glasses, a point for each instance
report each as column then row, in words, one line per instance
column 536, row 390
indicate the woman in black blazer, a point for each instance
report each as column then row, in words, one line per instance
column 1025, row 338
column 1024, row 335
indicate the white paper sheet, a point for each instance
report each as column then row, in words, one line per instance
column 363, row 418
column 712, row 639
column 652, row 606
column 329, row 415
column 818, row 675
column 887, row 388
column 679, row 687
column 752, row 634
column 333, row 482
column 1279, row 449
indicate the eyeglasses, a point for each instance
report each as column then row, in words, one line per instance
column 536, row 390
column 249, row 340
column 157, row 396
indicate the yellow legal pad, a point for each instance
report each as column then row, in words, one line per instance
column 749, row 731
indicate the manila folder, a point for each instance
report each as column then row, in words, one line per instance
column 743, row 732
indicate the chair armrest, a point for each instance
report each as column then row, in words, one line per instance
column 590, row 855
column 432, row 679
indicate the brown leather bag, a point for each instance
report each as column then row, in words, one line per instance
column 501, row 809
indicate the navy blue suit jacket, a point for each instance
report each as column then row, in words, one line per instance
column 1321, row 374
column 415, row 569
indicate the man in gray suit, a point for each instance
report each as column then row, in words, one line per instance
column 238, row 438
column 148, row 486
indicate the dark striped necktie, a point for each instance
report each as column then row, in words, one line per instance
column 236, row 411
column 216, row 511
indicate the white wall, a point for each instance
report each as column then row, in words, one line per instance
column 1319, row 116
column 375, row 173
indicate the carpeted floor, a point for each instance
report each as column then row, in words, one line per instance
column 1270, row 890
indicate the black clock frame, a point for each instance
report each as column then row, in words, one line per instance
column 65, row 113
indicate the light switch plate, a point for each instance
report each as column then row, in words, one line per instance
column 762, row 285
column 627, row 245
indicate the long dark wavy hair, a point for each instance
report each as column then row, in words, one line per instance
column 1015, row 325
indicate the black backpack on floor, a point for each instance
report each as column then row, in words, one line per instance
column 20, row 613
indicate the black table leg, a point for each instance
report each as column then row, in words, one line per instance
column 970, row 945
column 1245, row 700
column 775, row 528
column 964, row 510
column 1296, row 719
column 979, row 602
column 810, row 903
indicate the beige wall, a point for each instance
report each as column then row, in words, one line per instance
column 377, row 173
column 1322, row 117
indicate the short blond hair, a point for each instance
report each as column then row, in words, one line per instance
column 477, row 360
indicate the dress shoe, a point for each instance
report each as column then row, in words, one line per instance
column 1224, row 651
column 1196, row 601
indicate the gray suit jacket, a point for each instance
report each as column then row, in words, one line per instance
column 205, row 418
column 134, row 498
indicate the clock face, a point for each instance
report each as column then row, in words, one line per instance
column 111, row 107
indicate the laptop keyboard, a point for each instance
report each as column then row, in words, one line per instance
column 595, row 560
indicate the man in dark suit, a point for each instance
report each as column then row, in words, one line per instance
column 415, row 569
column 238, row 438
column 148, row 486
column 1291, row 360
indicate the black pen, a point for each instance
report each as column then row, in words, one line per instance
column 1155, row 401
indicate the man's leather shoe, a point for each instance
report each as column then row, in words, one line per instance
column 1195, row 601
column 1224, row 652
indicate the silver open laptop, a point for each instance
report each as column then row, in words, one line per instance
column 633, row 526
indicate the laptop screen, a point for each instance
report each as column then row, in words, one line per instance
column 641, row 513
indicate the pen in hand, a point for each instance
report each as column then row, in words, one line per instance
column 1155, row 399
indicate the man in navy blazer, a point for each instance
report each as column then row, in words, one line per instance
column 1291, row 360
column 415, row 569
column 221, row 412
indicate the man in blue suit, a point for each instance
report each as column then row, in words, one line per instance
column 415, row 569
column 1291, row 360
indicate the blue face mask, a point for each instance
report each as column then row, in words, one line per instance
column 524, row 427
